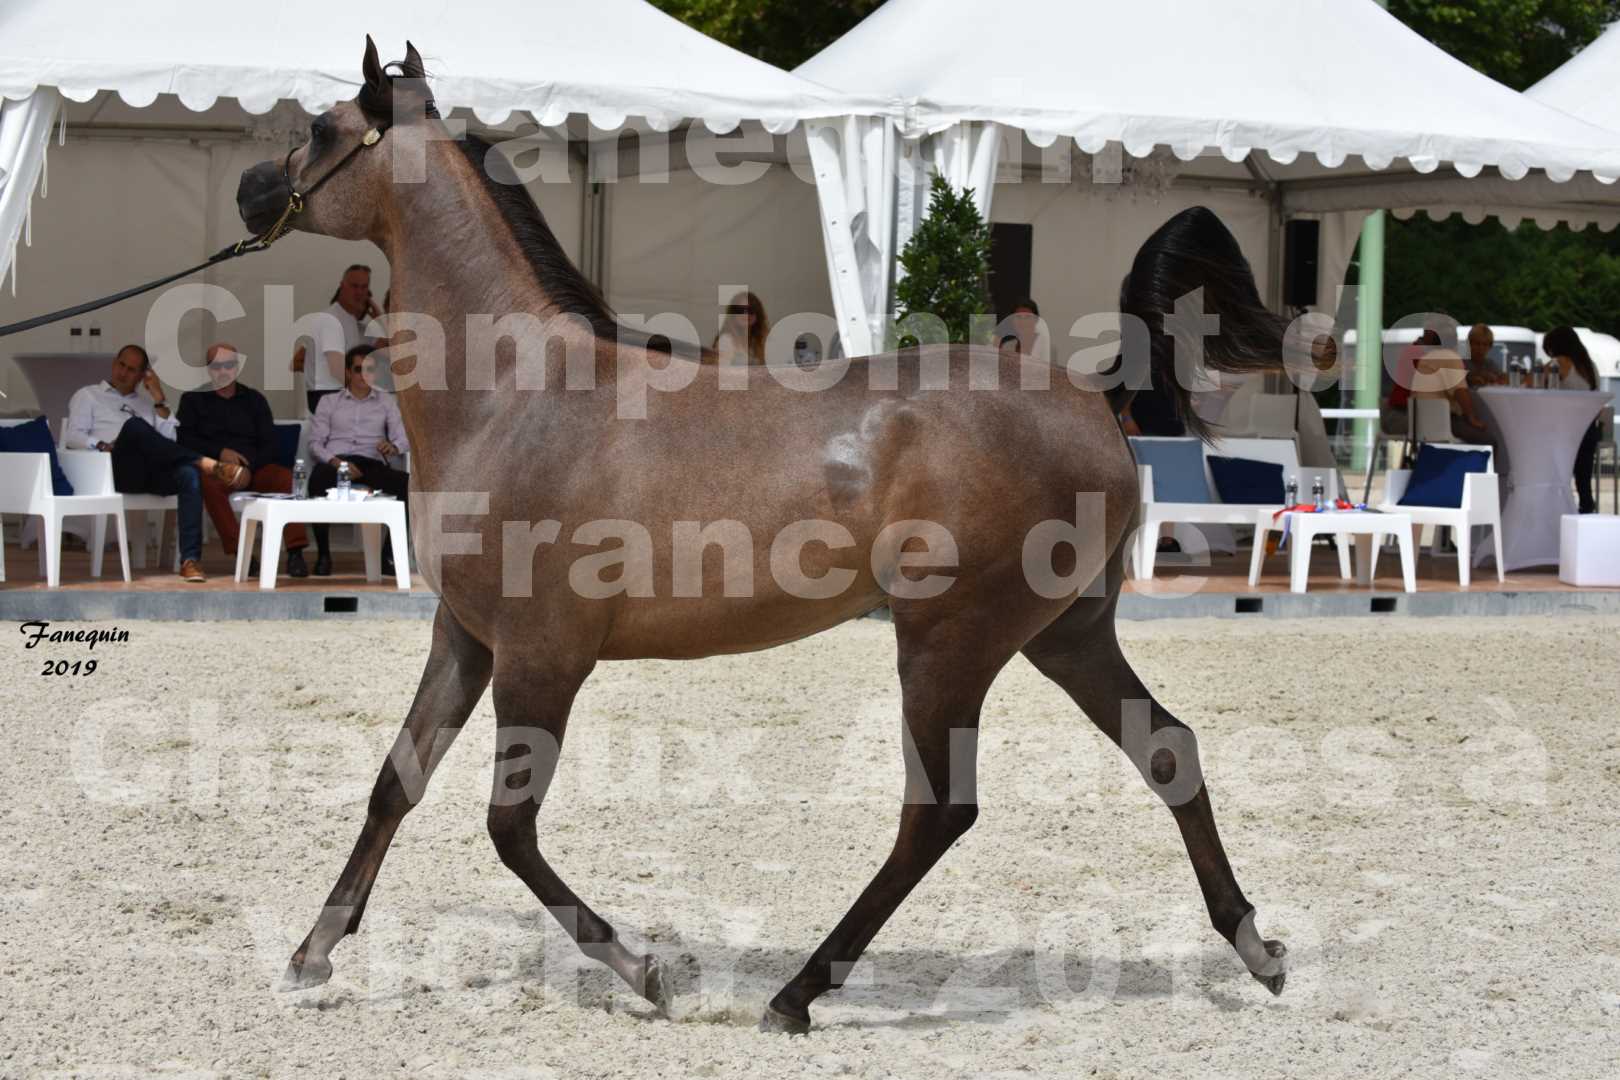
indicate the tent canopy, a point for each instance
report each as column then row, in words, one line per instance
column 607, row 59
column 1289, row 77
column 1585, row 86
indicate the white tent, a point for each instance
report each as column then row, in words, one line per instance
column 1585, row 86
column 165, row 103
column 1296, row 101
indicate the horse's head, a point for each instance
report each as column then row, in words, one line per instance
column 332, row 182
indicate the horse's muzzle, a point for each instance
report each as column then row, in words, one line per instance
column 261, row 196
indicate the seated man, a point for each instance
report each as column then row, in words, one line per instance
column 233, row 423
column 362, row 426
column 139, row 431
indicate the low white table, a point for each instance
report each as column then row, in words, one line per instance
column 370, row 514
column 1367, row 530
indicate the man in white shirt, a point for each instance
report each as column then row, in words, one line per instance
column 352, row 307
column 128, row 416
column 360, row 426
column 96, row 414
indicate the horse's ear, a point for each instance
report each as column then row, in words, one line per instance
column 371, row 67
column 413, row 67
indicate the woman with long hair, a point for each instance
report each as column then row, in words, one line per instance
column 743, row 331
column 1577, row 372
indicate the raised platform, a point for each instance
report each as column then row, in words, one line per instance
column 1220, row 589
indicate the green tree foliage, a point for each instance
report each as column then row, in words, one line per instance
column 1516, row 42
column 1485, row 273
column 781, row 32
column 947, row 265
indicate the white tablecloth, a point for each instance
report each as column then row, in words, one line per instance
column 1536, row 433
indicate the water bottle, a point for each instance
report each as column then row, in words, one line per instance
column 1318, row 491
column 1293, row 493
column 343, row 481
column 300, row 480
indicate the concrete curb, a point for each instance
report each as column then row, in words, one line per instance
column 178, row 606
column 192, row 606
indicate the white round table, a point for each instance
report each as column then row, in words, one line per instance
column 1537, row 433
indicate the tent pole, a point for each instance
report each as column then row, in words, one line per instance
column 1369, row 328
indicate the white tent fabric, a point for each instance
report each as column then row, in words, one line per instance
column 873, row 188
column 1164, row 73
column 1287, row 77
column 25, row 129
column 1585, row 86
column 606, row 59
column 154, row 178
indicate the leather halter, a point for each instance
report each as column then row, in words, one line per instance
column 295, row 198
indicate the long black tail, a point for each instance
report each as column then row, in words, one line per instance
column 1195, row 250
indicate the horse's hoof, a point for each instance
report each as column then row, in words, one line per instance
column 305, row 974
column 653, row 986
column 1274, row 982
column 779, row 1023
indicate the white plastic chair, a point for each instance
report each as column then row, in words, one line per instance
column 1155, row 514
column 25, row 488
column 1481, row 506
column 137, row 507
column 1431, row 421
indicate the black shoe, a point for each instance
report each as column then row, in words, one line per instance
column 295, row 564
column 323, row 566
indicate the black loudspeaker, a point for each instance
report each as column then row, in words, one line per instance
column 1302, row 241
column 1012, row 257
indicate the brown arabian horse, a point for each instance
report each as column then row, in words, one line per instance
column 987, row 465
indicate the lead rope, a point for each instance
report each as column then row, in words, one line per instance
column 246, row 246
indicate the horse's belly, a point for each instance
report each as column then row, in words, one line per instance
column 685, row 629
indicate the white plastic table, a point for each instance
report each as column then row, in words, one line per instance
column 370, row 514
column 1537, row 433
column 1367, row 529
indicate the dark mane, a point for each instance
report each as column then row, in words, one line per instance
column 569, row 289
column 564, row 284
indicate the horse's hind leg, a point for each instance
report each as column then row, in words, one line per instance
column 532, row 701
column 1080, row 652
column 944, row 675
column 456, row 674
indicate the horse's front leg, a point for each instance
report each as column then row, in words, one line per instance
column 458, row 670
column 532, row 700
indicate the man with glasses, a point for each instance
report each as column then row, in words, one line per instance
column 361, row 426
column 233, row 423
column 128, row 417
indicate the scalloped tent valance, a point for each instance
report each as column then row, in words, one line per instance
column 1328, row 78
column 605, row 59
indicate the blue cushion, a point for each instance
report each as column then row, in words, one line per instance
column 1178, row 469
column 1245, row 482
column 286, row 444
column 1437, row 478
column 34, row 437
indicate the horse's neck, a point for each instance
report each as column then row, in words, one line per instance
column 451, row 255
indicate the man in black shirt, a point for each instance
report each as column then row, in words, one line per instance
column 233, row 423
